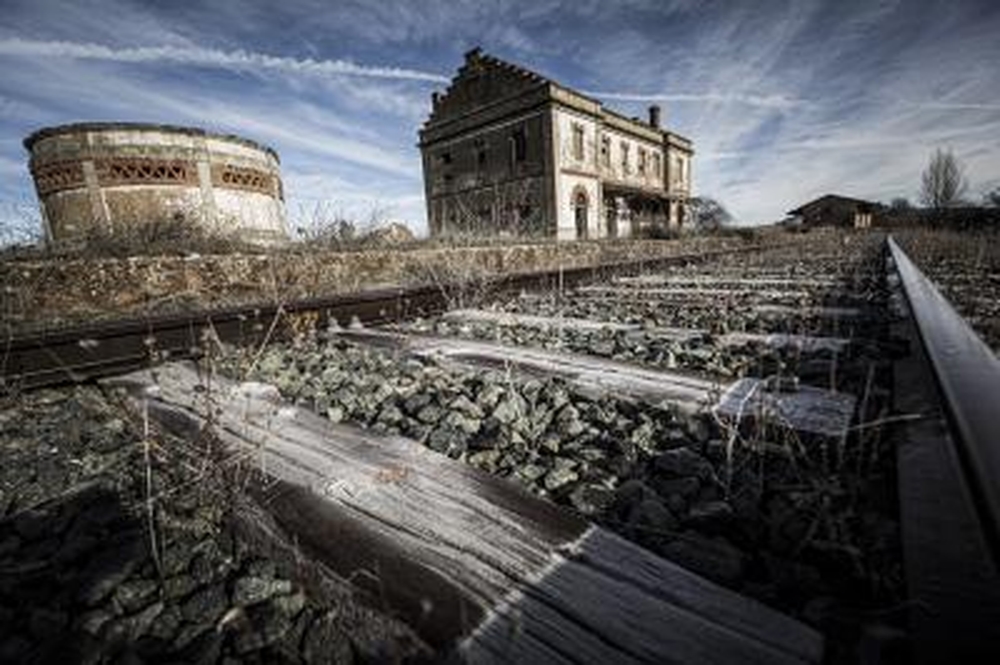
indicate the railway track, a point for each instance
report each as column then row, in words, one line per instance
column 79, row 353
column 745, row 415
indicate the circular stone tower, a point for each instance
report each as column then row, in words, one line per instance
column 119, row 174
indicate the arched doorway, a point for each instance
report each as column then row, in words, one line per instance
column 580, row 208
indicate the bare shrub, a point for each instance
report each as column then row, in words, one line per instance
column 176, row 234
column 327, row 226
column 458, row 272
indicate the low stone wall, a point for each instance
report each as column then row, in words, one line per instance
column 43, row 294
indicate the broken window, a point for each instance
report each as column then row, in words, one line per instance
column 578, row 142
column 524, row 212
column 519, row 145
column 481, row 153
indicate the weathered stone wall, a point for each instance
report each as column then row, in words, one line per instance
column 57, row 292
column 120, row 174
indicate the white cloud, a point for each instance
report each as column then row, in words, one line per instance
column 239, row 60
column 779, row 102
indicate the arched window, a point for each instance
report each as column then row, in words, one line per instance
column 580, row 207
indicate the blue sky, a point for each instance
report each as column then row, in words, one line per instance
column 784, row 100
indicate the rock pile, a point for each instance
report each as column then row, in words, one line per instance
column 79, row 582
column 746, row 518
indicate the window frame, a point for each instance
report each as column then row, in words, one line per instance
column 578, row 142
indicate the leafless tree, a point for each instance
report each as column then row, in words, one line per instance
column 992, row 199
column 708, row 214
column 943, row 181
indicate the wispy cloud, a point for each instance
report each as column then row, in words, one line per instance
column 779, row 102
column 205, row 57
column 15, row 108
column 956, row 106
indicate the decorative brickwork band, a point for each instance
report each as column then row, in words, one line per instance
column 57, row 177
column 141, row 171
column 228, row 176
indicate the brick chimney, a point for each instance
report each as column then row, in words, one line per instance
column 654, row 116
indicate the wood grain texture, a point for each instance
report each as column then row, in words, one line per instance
column 475, row 564
column 511, row 319
column 590, row 375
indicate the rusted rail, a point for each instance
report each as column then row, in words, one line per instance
column 80, row 353
column 947, row 391
column 967, row 373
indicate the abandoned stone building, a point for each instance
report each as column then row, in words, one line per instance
column 507, row 151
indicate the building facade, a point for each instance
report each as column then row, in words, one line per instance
column 120, row 174
column 509, row 152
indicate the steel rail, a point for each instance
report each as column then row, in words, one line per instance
column 80, row 353
column 967, row 375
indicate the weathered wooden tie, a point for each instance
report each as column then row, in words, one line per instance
column 479, row 567
column 733, row 281
column 803, row 343
column 512, row 319
column 788, row 311
column 697, row 293
column 805, row 409
column 591, row 375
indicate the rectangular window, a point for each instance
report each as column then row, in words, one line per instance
column 642, row 161
column 605, row 151
column 445, row 158
column 524, row 212
column 481, row 154
column 625, row 166
column 519, row 145
column 656, row 164
column 578, row 142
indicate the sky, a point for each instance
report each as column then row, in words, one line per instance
column 785, row 101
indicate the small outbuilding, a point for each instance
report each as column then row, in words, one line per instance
column 836, row 210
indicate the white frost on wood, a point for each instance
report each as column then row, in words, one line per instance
column 804, row 343
column 589, row 374
column 821, row 312
column 255, row 390
column 712, row 280
column 806, row 409
column 699, row 293
column 511, row 319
